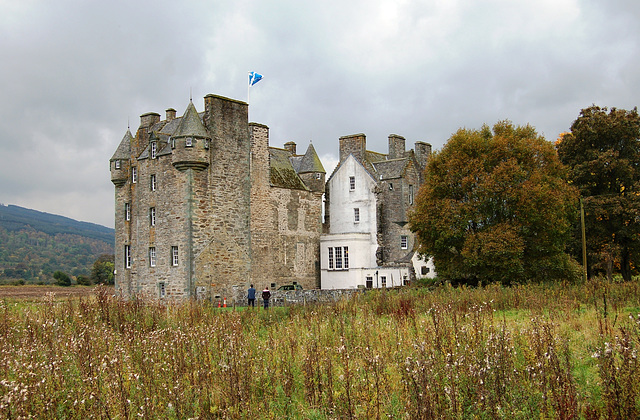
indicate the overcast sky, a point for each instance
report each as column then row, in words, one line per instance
column 75, row 74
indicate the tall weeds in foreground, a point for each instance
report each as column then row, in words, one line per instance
column 543, row 351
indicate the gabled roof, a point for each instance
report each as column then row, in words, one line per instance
column 371, row 174
column 282, row 173
column 124, row 148
column 163, row 145
column 310, row 162
column 191, row 125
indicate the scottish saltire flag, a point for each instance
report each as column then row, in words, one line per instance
column 254, row 78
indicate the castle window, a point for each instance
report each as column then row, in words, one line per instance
column 152, row 256
column 173, row 142
column 153, row 182
column 188, row 142
column 338, row 251
column 117, row 163
column 162, row 289
column 330, row 258
column 152, row 216
column 127, row 256
column 369, row 282
column 206, row 143
column 391, row 186
column 174, row 256
column 154, row 149
column 127, row 211
column 338, row 258
column 404, row 242
column 352, row 183
column 383, row 281
column 356, row 215
column 410, row 194
column 134, row 174
column 405, row 280
column 318, row 175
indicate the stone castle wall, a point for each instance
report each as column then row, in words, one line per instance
column 286, row 225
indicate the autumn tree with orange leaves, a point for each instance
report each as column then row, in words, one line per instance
column 602, row 152
column 495, row 207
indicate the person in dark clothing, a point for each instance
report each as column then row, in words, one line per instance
column 251, row 295
column 266, row 295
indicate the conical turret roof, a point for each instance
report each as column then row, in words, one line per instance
column 310, row 162
column 124, row 149
column 191, row 125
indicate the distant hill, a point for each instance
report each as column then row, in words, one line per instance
column 33, row 245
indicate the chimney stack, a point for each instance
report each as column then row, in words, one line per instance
column 423, row 151
column 291, row 147
column 396, row 146
column 148, row 119
column 171, row 114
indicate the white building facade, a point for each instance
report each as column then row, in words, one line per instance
column 367, row 243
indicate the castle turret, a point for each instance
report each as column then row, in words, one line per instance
column 190, row 142
column 119, row 163
column 311, row 170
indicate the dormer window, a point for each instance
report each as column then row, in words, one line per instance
column 154, row 149
column 117, row 163
column 188, row 142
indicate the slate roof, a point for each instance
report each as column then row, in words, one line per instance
column 282, row 172
column 163, row 145
column 191, row 125
column 390, row 169
column 124, row 148
column 310, row 162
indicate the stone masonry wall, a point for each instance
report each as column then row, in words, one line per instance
column 285, row 225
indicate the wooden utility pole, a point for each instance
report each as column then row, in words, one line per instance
column 584, row 240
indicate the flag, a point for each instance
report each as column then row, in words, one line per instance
column 254, row 78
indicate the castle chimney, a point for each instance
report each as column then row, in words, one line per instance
column 355, row 144
column 423, row 151
column 171, row 114
column 291, row 147
column 148, row 119
column 396, row 146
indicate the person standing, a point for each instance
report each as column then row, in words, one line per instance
column 266, row 295
column 251, row 295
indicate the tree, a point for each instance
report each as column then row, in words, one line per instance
column 83, row 280
column 62, row 279
column 495, row 207
column 602, row 152
column 102, row 269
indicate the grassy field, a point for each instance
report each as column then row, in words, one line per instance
column 536, row 351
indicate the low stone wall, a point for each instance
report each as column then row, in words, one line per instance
column 296, row 297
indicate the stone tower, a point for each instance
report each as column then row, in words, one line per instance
column 195, row 195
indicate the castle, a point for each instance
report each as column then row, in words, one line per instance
column 204, row 207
